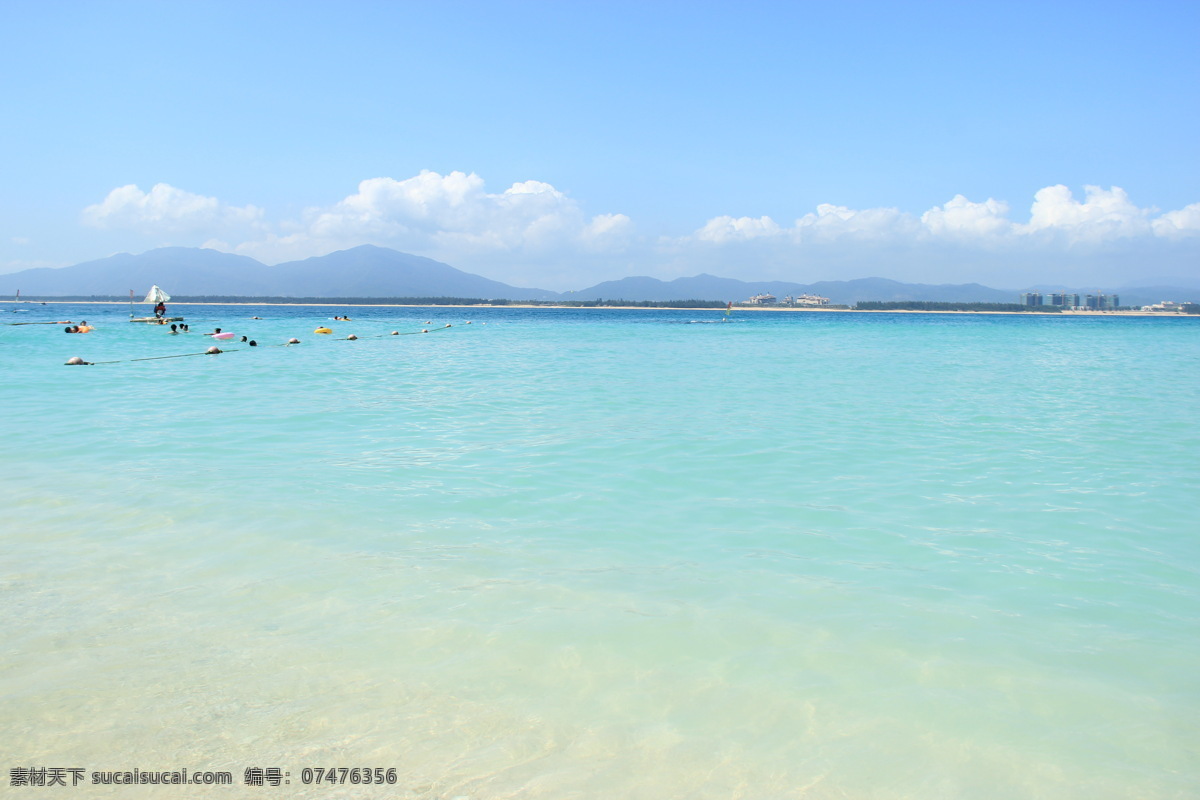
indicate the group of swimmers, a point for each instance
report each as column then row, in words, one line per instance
column 182, row 327
column 217, row 333
column 83, row 327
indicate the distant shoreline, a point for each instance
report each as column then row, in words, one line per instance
column 1088, row 313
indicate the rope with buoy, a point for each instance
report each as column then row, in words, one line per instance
column 410, row 333
column 77, row 361
column 212, row 351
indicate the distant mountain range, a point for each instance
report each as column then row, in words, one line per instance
column 365, row 271
column 370, row 271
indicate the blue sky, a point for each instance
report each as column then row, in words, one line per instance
column 561, row 144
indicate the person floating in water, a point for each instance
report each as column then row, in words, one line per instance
column 160, row 310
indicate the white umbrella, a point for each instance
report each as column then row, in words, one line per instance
column 156, row 295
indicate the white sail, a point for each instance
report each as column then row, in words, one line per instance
column 156, row 295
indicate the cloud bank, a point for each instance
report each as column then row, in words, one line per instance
column 1103, row 216
column 165, row 209
column 454, row 212
column 536, row 235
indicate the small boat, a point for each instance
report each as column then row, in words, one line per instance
column 158, row 297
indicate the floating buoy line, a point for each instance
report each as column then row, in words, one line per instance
column 212, row 351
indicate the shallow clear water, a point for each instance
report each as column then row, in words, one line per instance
column 602, row 553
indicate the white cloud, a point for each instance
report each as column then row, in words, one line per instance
column 729, row 229
column 428, row 203
column 533, row 234
column 1104, row 237
column 167, row 209
column 608, row 231
column 454, row 211
column 530, row 230
column 829, row 223
column 1103, row 216
column 1177, row 224
column 961, row 218
column 839, row 222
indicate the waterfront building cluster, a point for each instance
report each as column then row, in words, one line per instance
column 1071, row 301
column 1171, row 307
column 767, row 299
column 1101, row 302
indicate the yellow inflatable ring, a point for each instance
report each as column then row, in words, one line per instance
column 323, row 330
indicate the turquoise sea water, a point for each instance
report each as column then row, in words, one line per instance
column 602, row 553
